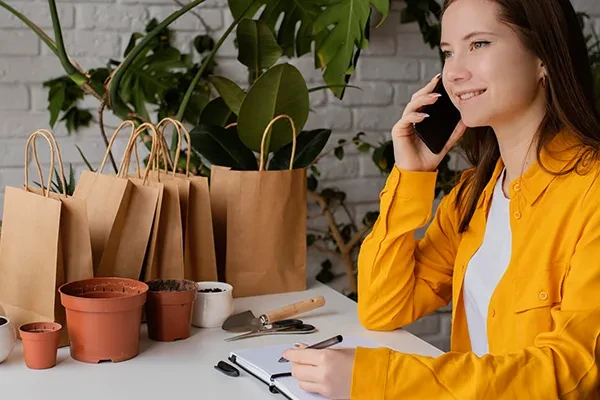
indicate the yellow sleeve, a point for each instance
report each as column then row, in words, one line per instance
column 401, row 279
column 562, row 363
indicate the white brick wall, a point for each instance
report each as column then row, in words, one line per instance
column 396, row 64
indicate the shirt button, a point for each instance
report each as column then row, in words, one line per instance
column 543, row 296
column 517, row 215
column 493, row 313
column 517, row 187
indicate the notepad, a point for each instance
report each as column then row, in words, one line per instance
column 263, row 363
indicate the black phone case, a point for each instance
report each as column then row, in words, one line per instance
column 436, row 129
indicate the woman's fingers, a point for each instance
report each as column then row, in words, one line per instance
column 311, row 387
column 303, row 356
column 307, row 373
column 421, row 101
column 407, row 120
column 427, row 88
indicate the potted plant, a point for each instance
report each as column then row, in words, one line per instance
column 169, row 309
column 40, row 343
column 104, row 318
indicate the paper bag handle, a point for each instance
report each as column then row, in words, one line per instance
column 53, row 146
column 179, row 127
column 265, row 134
column 112, row 141
column 132, row 144
column 124, row 166
column 293, row 309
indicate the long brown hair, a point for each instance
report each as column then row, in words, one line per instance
column 549, row 29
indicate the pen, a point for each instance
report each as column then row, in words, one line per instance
column 321, row 345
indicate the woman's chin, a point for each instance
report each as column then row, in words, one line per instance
column 474, row 121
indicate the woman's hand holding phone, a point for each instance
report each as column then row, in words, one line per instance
column 410, row 152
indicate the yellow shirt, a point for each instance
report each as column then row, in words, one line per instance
column 544, row 316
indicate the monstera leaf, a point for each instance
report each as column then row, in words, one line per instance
column 337, row 48
column 340, row 48
column 295, row 12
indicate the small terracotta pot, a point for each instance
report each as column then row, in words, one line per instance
column 40, row 343
column 104, row 318
column 169, row 309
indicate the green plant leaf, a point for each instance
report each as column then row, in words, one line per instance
column 87, row 163
column 56, row 98
column 232, row 94
column 280, row 90
column 75, row 118
column 364, row 148
column 339, row 153
column 309, row 145
column 217, row 113
column 203, row 43
column 339, row 50
column 258, row 49
column 248, row 7
column 295, row 32
column 222, row 147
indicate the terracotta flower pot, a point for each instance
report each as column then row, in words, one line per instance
column 40, row 343
column 104, row 318
column 169, row 309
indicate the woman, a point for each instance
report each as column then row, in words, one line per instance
column 515, row 246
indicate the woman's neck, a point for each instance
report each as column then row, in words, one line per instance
column 516, row 140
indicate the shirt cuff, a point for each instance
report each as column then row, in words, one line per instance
column 416, row 185
column 369, row 373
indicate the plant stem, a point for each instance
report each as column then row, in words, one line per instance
column 205, row 63
column 103, row 133
column 70, row 69
column 325, row 154
column 344, row 249
column 36, row 29
column 115, row 101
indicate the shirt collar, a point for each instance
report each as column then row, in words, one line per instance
column 558, row 155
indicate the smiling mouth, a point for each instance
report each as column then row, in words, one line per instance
column 465, row 97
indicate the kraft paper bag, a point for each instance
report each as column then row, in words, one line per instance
column 74, row 226
column 265, row 227
column 165, row 258
column 218, row 203
column 199, row 244
column 107, row 200
column 140, row 216
column 31, row 259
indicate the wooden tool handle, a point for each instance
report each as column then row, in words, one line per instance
column 293, row 309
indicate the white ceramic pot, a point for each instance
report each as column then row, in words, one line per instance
column 211, row 309
column 8, row 338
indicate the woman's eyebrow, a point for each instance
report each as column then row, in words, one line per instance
column 469, row 36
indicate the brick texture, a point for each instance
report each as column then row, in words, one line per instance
column 396, row 64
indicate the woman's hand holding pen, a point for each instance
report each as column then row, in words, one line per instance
column 327, row 372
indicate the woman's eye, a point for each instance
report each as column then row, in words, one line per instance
column 478, row 45
column 446, row 54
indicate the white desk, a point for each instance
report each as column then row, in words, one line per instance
column 163, row 370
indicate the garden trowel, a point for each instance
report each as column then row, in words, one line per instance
column 246, row 321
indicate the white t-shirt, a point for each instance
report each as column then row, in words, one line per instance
column 486, row 268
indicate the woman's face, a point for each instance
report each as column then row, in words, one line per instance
column 489, row 75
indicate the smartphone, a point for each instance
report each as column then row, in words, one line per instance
column 436, row 129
